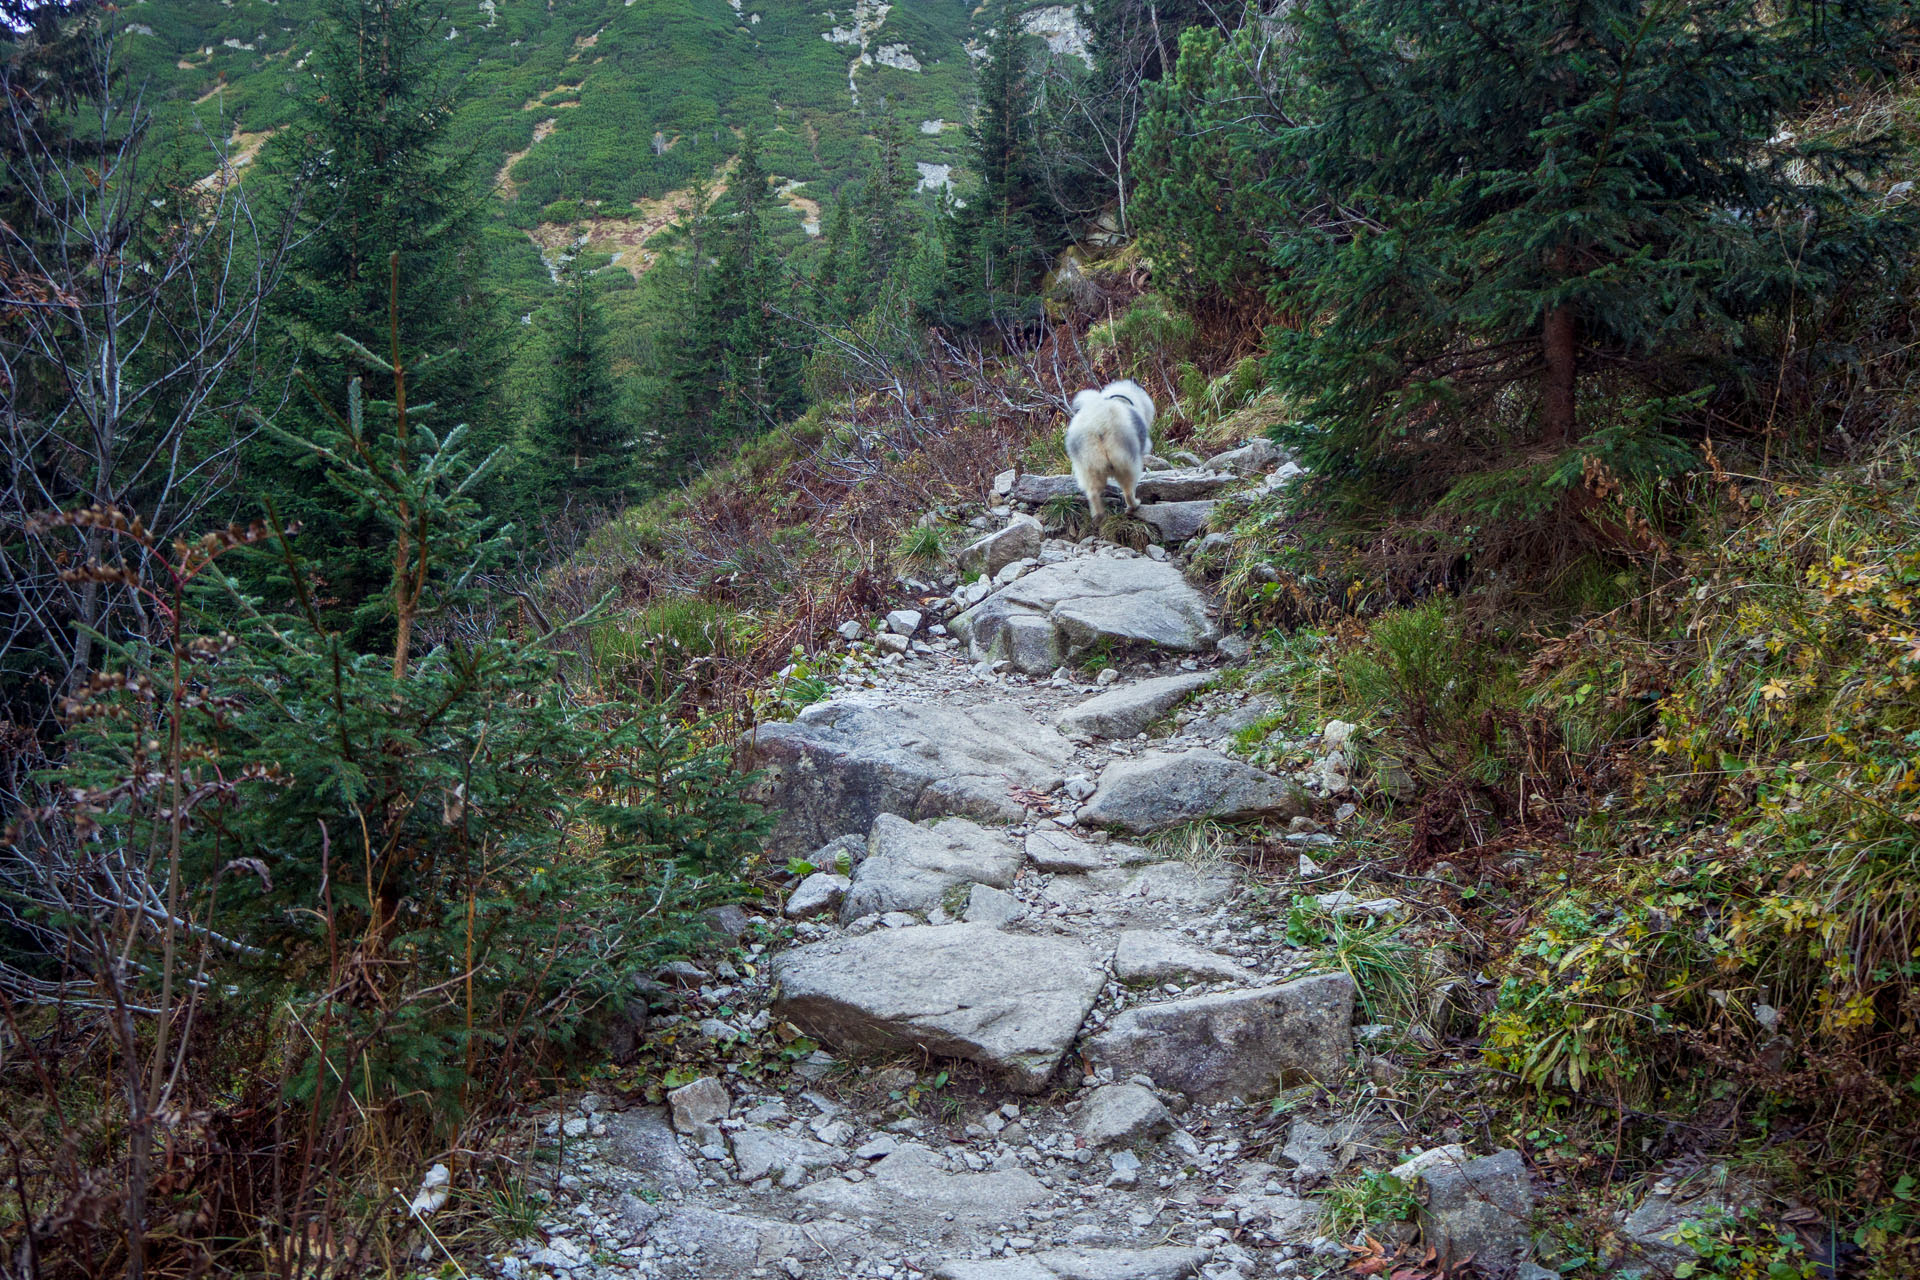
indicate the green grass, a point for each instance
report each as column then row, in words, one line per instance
column 923, row 544
column 665, row 641
column 1386, row 971
column 1371, row 1199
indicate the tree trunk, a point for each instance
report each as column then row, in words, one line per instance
column 1557, row 343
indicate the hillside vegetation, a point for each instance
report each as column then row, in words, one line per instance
column 528, row 417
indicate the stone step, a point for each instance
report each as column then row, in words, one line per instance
column 1234, row 1044
column 1164, row 789
column 1180, row 484
column 1061, row 610
column 1124, row 711
column 837, row 766
column 1010, row 1002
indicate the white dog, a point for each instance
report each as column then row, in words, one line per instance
column 1108, row 440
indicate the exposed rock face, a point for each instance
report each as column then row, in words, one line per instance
column 1095, row 600
column 762, row 1153
column 1145, row 890
column 1125, row 711
column 1186, row 484
column 1030, row 643
column 1176, row 522
column 986, row 905
column 699, row 1107
column 841, row 764
column 1222, row 724
column 1036, row 491
column 1651, row 1233
column 1010, row 1002
column 912, row 1188
column 1244, row 1044
column 1164, row 789
column 1020, row 540
column 1150, row 956
column 911, row 866
column 1472, row 1208
column 1122, row 1113
column 1320, row 1150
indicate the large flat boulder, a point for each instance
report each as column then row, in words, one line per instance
column 1651, row 1240
column 1150, row 889
column 1037, row 491
column 1056, row 851
column 841, row 764
column 1221, row 724
column 1183, row 484
column 642, row 1142
column 760, row 1153
column 1164, row 789
column 1125, row 711
column 1250, row 458
column 1121, row 1113
column 1237, row 1044
column 911, row 866
column 912, row 1192
column 1008, row 1001
column 1121, row 602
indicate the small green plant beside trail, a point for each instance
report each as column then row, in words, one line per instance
column 1742, row 1246
column 1387, row 973
column 923, row 544
column 1369, row 1201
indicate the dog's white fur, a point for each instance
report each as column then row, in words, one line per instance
column 1109, row 439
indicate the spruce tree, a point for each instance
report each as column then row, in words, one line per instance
column 380, row 177
column 1002, row 236
column 1204, row 201
column 1536, row 237
column 836, row 286
column 580, row 447
column 886, row 216
column 739, row 370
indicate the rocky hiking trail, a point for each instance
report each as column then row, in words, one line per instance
column 1047, row 1049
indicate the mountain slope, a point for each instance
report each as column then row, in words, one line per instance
column 593, row 108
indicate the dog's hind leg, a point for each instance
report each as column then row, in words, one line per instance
column 1127, row 482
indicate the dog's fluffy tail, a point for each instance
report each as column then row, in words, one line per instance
column 1081, row 399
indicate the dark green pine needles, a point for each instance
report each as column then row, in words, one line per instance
column 1532, row 235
